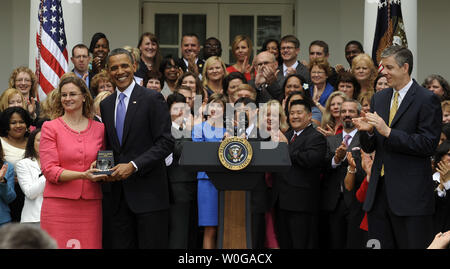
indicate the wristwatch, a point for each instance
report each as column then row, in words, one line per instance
column 350, row 171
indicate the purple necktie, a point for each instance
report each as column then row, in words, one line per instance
column 346, row 139
column 120, row 117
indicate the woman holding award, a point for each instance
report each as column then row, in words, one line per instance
column 72, row 207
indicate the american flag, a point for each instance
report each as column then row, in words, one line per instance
column 52, row 59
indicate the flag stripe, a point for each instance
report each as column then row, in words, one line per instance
column 52, row 60
column 45, row 84
column 49, row 44
column 48, row 57
column 49, row 74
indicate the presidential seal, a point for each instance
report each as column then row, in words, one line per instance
column 235, row 153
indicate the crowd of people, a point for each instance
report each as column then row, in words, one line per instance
column 370, row 149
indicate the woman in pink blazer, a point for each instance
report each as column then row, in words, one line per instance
column 71, row 211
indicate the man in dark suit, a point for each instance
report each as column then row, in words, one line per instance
column 137, row 124
column 246, row 126
column 265, row 81
column 190, row 48
column 296, row 192
column 342, row 213
column 289, row 49
column 403, row 127
column 183, row 221
column 80, row 59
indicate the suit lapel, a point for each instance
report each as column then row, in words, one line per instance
column 407, row 100
column 131, row 111
column 355, row 141
column 108, row 120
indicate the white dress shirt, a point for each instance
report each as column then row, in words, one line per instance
column 128, row 91
column 285, row 68
column 401, row 93
column 441, row 193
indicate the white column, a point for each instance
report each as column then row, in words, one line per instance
column 409, row 12
column 73, row 25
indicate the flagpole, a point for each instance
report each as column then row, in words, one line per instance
column 39, row 44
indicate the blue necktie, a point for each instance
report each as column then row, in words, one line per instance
column 120, row 117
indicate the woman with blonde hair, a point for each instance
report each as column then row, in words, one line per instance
column 241, row 48
column 364, row 99
column 101, row 82
column 97, row 100
column 331, row 119
column 365, row 72
column 270, row 120
column 213, row 74
column 12, row 97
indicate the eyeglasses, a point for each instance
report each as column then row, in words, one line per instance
column 208, row 46
column 287, row 48
column 169, row 66
column 23, row 80
column 71, row 95
column 263, row 63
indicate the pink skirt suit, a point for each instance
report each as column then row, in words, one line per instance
column 71, row 211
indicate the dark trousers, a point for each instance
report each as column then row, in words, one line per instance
column 338, row 225
column 392, row 231
column 258, row 230
column 16, row 206
column 181, row 224
column 342, row 225
column 296, row 230
column 148, row 230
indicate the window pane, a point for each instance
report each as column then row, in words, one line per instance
column 195, row 24
column 166, row 28
column 169, row 51
column 268, row 27
column 241, row 25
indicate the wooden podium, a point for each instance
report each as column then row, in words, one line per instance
column 235, row 227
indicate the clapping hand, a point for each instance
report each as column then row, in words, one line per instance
column 278, row 136
column 366, row 163
column 340, row 153
column 362, row 124
column 351, row 160
column 192, row 66
column 328, row 131
column 339, row 68
column 444, row 170
column 3, row 172
column 376, row 121
column 31, row 106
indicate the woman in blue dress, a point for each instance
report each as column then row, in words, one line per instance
column 211, row 130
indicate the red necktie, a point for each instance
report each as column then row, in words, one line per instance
column 293, row 138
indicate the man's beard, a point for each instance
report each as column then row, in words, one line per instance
column 348, row 124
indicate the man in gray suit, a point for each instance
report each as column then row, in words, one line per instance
column 341, row 213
